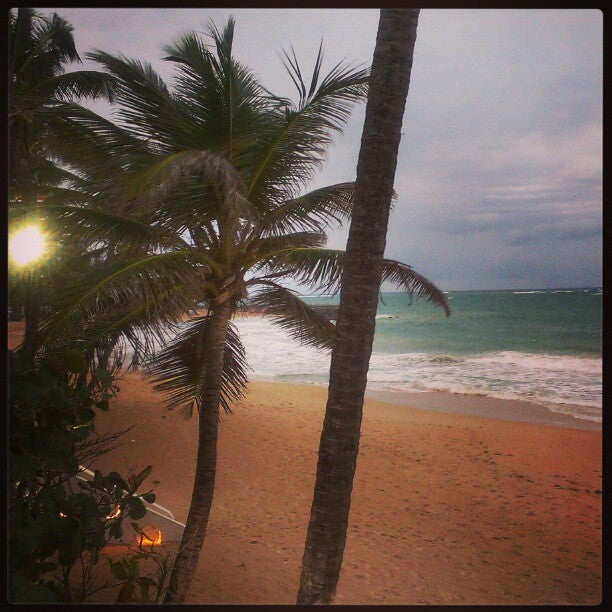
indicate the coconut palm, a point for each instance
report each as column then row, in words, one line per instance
column 39, row 48
column 365, row 268
column 212, row 210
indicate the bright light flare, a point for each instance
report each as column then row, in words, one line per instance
column 26, row 245
column 149, row 536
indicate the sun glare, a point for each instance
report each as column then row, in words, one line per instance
column 26, row 245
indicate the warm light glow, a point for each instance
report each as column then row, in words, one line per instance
column 26, row 245
column 150, row 536
column 114, row 513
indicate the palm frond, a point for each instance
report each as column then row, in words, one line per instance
column 79, row 84
column 410, row 281
column 301, row 132
column 302, row 322
column 97, row 152
column 91, row 224
column 134, row 324
column 319, row 269
column 182, row 274
column 147, row 109
column 227, row 104
column 224, row 39
column 39, row 46
column 312, row 211
column 20, row 37
column 60, row 196
column 264, row 252
column 292, row 67
column 180, row 369
column 74, row 123
column 47, row 174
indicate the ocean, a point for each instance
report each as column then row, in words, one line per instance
column 542, row 346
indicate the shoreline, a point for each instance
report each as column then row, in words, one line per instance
column 487, row 406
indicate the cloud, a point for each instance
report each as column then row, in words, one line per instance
column 500, row 165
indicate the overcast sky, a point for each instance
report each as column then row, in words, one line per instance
column 499, row 177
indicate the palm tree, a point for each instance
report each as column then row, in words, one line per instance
column 38, row 49
column 211, row 211
column 364, row 269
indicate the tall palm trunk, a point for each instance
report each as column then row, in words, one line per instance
column 204, row 482
column 390, row 77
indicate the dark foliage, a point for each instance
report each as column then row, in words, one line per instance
column 56, row 520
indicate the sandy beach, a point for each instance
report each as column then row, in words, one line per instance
column 447, row 508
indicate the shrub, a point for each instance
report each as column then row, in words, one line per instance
column 55, row 519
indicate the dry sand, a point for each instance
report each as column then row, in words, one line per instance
column 446, row 508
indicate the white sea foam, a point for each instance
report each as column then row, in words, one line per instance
column 569, row 384
column 524, row 292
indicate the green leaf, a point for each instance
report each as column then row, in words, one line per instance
column 116, row 479
column 23, row 591
column 86, row 414
column 81, row 432
column 139, row 479
column 148, row 497
column 102, row 375
column 137, row 509
column 115, row 531
column 60, row 399
column 102, row 405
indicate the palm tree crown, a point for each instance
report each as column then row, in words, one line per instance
column 38, row 50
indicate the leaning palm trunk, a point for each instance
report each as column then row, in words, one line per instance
column 361, row 281
column 186, row 561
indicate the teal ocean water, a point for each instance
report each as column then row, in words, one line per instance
column 553, row 322
column 542, row 345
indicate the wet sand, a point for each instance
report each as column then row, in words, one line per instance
column 487, row 406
